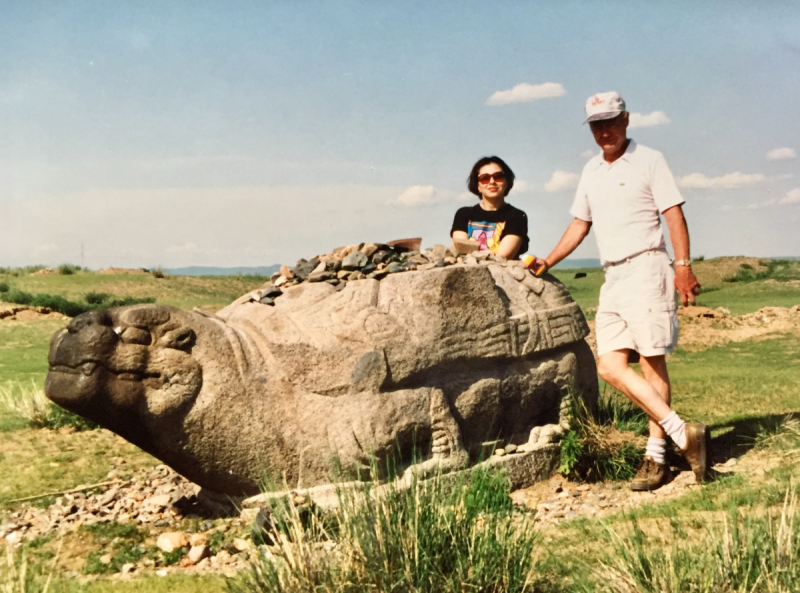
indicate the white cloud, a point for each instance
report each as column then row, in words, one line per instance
column 647, row 120
column 778, row 154
column 791, row 197
column 522, row 187
column 587, row 154
column 729, row 181
column 525, row 93
column 417, row 195
column 562, row 180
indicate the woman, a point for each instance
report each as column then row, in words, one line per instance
column 496, row 225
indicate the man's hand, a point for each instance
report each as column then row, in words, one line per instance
column 686, row 284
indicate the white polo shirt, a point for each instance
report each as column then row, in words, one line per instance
column 623, row 199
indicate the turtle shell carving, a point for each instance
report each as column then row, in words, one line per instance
column 419, row 368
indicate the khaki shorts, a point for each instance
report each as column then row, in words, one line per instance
column 638, row 308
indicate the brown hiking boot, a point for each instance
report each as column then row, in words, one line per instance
column 696, row 451
column 651, row 475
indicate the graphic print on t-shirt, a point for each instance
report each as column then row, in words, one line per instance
column 488, row 234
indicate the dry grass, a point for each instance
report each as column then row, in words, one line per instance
column 17, row 576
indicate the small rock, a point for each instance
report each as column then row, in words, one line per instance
column 380, row 257
column 321, row 267
column 286, row 273
column 584, row 488
column 342, row 274
column 128, row 568
column 499, row 452
column 439, row 252
column 271, row 292
column 368, row 249
column 280, row 281
column 14, row 538
column 320, row 276
column 171, row 541
column 158, row 502
column 470, row 261
column 354, row 261
column 108, row 497
column 162, row 573
column 105, row 559
column 201, row 539
column 197, row 553
column 242, row 545
column 370, row 267
column 396, row 267
column 357, row 275
column 450, row 260
column 510, row 448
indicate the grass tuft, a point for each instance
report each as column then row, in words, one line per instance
column 17, row 575
column 68, row 269
column 603, row 446
column 29, row 403
column 757, row 552
column 437, row 535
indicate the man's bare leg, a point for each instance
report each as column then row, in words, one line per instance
column 613, row 369
column 653, row 398
column 654, row 369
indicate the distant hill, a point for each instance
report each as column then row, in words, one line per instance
column 569, row 264
column 212, row 271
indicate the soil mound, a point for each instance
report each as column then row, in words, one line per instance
column 10, row 312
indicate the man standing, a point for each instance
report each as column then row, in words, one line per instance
column 621, row 193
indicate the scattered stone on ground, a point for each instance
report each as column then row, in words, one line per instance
column 160, row 502
column 557, row 499
column 45, row 272
column 12, row 312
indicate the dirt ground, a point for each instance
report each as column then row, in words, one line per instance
column 10, row 312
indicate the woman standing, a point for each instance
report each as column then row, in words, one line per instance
column 496, row 225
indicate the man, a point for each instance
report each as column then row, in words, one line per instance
column 620, row 194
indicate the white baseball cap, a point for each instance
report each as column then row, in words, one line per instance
column 604, row 106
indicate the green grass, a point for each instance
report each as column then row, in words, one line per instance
column 23, row 350
column 179, row 291
column 438, row 535
column 738, row 381
column 774, row 284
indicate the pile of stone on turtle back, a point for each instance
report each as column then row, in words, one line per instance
column 368, row 260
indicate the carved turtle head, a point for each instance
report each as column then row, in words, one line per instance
column 132, row 368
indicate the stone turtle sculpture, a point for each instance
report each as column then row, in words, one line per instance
column 328, row 380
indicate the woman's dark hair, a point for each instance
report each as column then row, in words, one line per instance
column 472, row 180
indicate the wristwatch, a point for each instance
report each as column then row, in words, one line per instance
column 683, row 262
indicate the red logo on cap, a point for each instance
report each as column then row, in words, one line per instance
column 597, row 100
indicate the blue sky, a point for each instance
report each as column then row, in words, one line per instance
column 252, row 133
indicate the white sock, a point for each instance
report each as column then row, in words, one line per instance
column 656, row 448
column 675, row 429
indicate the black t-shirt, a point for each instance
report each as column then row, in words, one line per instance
column 488, row 227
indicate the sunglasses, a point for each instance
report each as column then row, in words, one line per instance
column 487, row 177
